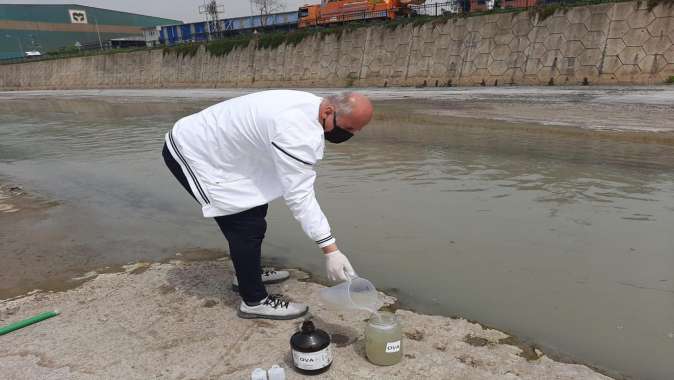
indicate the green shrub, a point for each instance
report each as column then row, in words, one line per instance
column 670, row 80
column 276, row 39
column 223, row 47
column 183, row 50
column 546, row 11
column 654, row 3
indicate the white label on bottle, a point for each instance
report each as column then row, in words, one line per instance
column 392, row 346
column 313, row 360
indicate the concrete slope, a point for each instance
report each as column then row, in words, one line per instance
column 178, row 321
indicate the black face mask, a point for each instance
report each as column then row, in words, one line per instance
column 336, row 135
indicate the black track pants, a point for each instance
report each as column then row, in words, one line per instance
column 244, row 232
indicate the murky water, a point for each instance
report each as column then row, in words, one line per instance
column 561, row 235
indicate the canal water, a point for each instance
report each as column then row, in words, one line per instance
column 490, row 205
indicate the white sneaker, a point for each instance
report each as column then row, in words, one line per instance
column 269, row 276
column 275, row 306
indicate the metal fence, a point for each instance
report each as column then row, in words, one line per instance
column 455, row 7
column 438, row 9
column 459, row 7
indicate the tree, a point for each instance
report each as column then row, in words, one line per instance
column 265, row 8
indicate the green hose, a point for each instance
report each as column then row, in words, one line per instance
column 27, row 322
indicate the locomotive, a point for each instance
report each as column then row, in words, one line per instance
column 338, row 11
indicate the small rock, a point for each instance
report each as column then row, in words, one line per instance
column 138, row 268
column 40, row 297
column 469, row 360
column 440, row 347
column 209, row 303
column 166, row 289
column 475, row 341
column 8, row 312
column 415, row 335
column 410, row 356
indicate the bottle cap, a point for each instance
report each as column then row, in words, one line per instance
column 277, row 373
column 308, row 327
column 258, row 374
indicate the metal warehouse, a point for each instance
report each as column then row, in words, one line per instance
column 45, row 28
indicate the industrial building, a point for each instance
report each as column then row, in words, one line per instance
column 46, row 28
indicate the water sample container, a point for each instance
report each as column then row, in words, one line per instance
column 276, row 373
column 258, row 374
column 312, row 353
column 356, row 293
column 383, row 339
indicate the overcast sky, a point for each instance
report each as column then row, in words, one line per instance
column 184, row 10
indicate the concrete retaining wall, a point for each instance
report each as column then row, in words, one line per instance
column 620, row 43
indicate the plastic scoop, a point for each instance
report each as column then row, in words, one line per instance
column 356, row 293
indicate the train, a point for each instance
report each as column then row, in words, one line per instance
column 205, row 30
column 327, row 13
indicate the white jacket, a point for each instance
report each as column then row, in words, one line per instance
column 250, row 150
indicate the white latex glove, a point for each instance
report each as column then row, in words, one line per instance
column 338, row 267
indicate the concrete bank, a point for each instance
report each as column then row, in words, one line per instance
column 619, row 43
column 178, row 320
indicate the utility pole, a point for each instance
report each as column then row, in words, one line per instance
column 211, row 12
column 202, row 10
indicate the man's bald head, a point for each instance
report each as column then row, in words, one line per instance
column 354, row 111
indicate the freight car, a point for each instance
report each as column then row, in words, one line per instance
column 202, row 31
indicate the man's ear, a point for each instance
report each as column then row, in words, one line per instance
column 329, row 110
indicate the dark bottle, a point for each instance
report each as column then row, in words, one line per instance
column 312, row 353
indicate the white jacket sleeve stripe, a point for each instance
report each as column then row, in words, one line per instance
column 189, row 170
column 325, row 239
column 290, row 155
column 297, row 178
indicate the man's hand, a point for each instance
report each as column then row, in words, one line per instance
column 338, row 266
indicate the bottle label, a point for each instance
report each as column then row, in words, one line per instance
column 313, row 360
column 392, row 347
